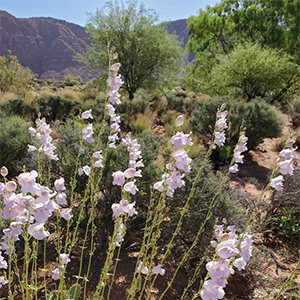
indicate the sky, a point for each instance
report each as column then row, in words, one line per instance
column 75, row 11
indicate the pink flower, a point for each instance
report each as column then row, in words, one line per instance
column 221, row 124
column 288, row 153
column 64, row 258
column 88, row 133
column 115, row 67
column 159, row 186
column 129, row 173
column 180, row 139
column 60, row 184
column 130, row 187
column 11, row 186
column 37, row 230
column 212, row 291
column 119, row 178
column 27, row 182
column 87, row 114
column 234, row 168
column 158, row 270
column 55, row 274
column 2, row 281
column 277, row 183
column 66, row 213
column 285, row 167
column 61, row 199
column 110, row 109
column 144, row 271
column 86, row 170
column 239, row 263
column 31, row 148
column 220, row 138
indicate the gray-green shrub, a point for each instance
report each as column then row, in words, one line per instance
column 261, row 120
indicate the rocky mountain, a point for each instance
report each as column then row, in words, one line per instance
column 47, row 46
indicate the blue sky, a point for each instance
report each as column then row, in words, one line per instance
column 75, row 11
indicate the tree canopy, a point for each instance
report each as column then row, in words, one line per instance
column 150, row 57
column 14, row 77
column 254, row 70
column 217, row 30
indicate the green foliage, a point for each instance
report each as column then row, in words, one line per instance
column 219, row 29
column 14, row 77
column 150, row 57
column 255, row 71
column 72, row 80
column 294, row 110
column 74, row 292
column 140, row 123
column 55, row 108
column 14, row 138
column 19, row 108
column 288, row 223
column 261, row 120
column 205, row 190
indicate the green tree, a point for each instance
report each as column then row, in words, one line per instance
column 255, row 71
column 14, row 77
column 217, row 30
column 150, row 57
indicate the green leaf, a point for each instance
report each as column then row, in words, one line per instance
column 74, row 292
column 53, row 296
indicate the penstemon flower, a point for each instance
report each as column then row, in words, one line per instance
column 228, row 246
column 42, row 133
column 220, row 127
column 237, row 153
column 180, row 161
column 285, row 166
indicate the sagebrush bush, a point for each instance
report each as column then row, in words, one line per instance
column 14, row 140
column 55, row 108
column 18, row 107
column 261, row 120
column 205, row 190
column 294, row 110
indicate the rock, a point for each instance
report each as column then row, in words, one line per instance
column 46, row 46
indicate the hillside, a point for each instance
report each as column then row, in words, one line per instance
column 47, row 46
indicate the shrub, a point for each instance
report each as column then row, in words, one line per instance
column 55, row 108
column 19, row 108
column 294, row 110
column 69, row 94
column 261, row 120
column 140, row 123
column 72, row 80
column 252, row 69
column 205, row 190
column 14, row 138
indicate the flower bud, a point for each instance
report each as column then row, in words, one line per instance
column 4, row 171
column 179, row 121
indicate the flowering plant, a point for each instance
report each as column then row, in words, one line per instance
column 35, row 201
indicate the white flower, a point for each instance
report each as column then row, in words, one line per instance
column 64, row 258
column 285, row 167
column 277, row 183
column 55, row 274
column 11, row 186
column 87, row 114
column 159, row 270
column 234, row 168
column 37, row 230
column 66, row 213
column 86, row 170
